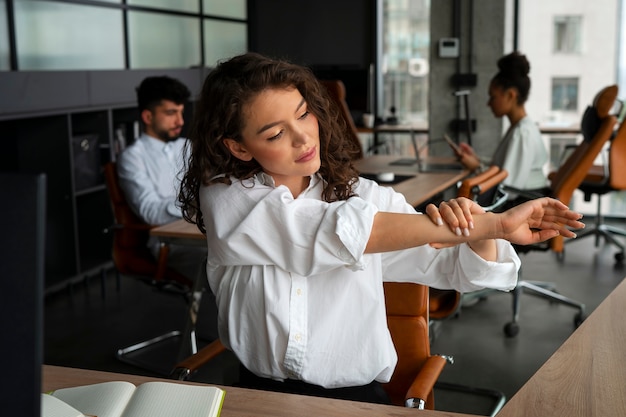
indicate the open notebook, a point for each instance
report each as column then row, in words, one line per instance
column 123, row 399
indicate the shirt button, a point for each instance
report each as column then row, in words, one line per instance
column 299, row 291
column 298, row 337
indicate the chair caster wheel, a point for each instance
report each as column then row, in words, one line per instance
column 578, row 319
column 511, row 329
column 619, row 258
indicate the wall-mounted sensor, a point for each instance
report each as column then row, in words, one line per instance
column 449, row 47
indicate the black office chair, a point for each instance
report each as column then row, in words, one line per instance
column 132, row 258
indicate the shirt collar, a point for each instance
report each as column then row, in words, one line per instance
column 268, row 180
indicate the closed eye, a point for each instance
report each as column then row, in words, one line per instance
column 304, row 115
column 276, row 137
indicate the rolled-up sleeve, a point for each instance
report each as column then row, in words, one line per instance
column 309, row 236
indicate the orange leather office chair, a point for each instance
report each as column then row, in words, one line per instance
column 603, row 179
column 407, row 317
column 337, row 93
column 132, row 258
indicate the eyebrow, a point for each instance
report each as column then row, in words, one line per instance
column 270, row 125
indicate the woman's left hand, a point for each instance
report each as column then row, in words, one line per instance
column 457, row 214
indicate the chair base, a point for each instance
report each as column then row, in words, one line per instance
column 498, row 396
column 608, row 233
column 137, row 353
column 543, row 289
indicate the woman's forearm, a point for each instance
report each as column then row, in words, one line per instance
column 396, row 231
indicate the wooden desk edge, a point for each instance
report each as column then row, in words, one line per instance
column 240, row 402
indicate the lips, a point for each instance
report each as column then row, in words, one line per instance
column 307, row 156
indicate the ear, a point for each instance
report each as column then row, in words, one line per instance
column 146, row 117
column 512, row 94
column 237, row 149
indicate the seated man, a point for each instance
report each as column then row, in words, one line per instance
column 149, row 168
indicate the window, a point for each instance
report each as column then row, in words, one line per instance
column 61, row 36
column 565, row 94
column 150, row 49
column 223, row 40
column 405, row 66
column 4, row 38
column 567, row 34
column 120, row 34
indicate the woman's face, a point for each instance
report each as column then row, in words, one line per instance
column 501, row 100
column 281, row 135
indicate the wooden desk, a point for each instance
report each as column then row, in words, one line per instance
column 180, row 232
column 423, row 186
column 240, row 402
column 586, row 376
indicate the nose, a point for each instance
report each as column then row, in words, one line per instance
column 299, row 137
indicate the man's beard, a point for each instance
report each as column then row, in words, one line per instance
column 165, row 136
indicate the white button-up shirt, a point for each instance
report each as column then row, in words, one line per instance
column 149, row 172
column 297, row 296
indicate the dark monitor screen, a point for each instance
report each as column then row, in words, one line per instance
column 22, row 222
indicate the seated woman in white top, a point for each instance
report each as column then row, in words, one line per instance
column 299, row 245
column 521, row 151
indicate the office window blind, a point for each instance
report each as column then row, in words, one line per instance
column 163, row 41
column 62, row 36
column 223, row 39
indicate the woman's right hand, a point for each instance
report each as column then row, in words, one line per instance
column 468, row 157
column 539, row 220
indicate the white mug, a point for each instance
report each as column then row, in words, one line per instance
column 368, row 120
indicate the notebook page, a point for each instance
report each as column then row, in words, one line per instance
column 107, row 399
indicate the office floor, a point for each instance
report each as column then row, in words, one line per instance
column 85, row 326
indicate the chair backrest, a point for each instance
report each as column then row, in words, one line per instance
column 597, row 126
column 407, row 319
column 130, row 252
column 337, row 92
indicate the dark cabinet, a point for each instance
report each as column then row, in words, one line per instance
column 69, row 137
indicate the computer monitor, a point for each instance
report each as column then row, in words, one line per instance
column 22, row 232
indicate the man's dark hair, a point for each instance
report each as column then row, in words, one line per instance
column 154, row 89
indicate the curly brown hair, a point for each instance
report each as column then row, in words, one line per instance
column 219, row 115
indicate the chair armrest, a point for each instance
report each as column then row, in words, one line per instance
column 185, row 368
column 524, row 193
column 424, row 382
column 131, row 226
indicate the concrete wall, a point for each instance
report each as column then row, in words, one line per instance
column 484, row 23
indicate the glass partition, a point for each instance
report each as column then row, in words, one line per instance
column 225, row 8
column 150, row 47
column 61, row 36
column 223, row 40
column 177, row 5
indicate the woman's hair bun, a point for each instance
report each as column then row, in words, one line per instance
column 514, row 63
